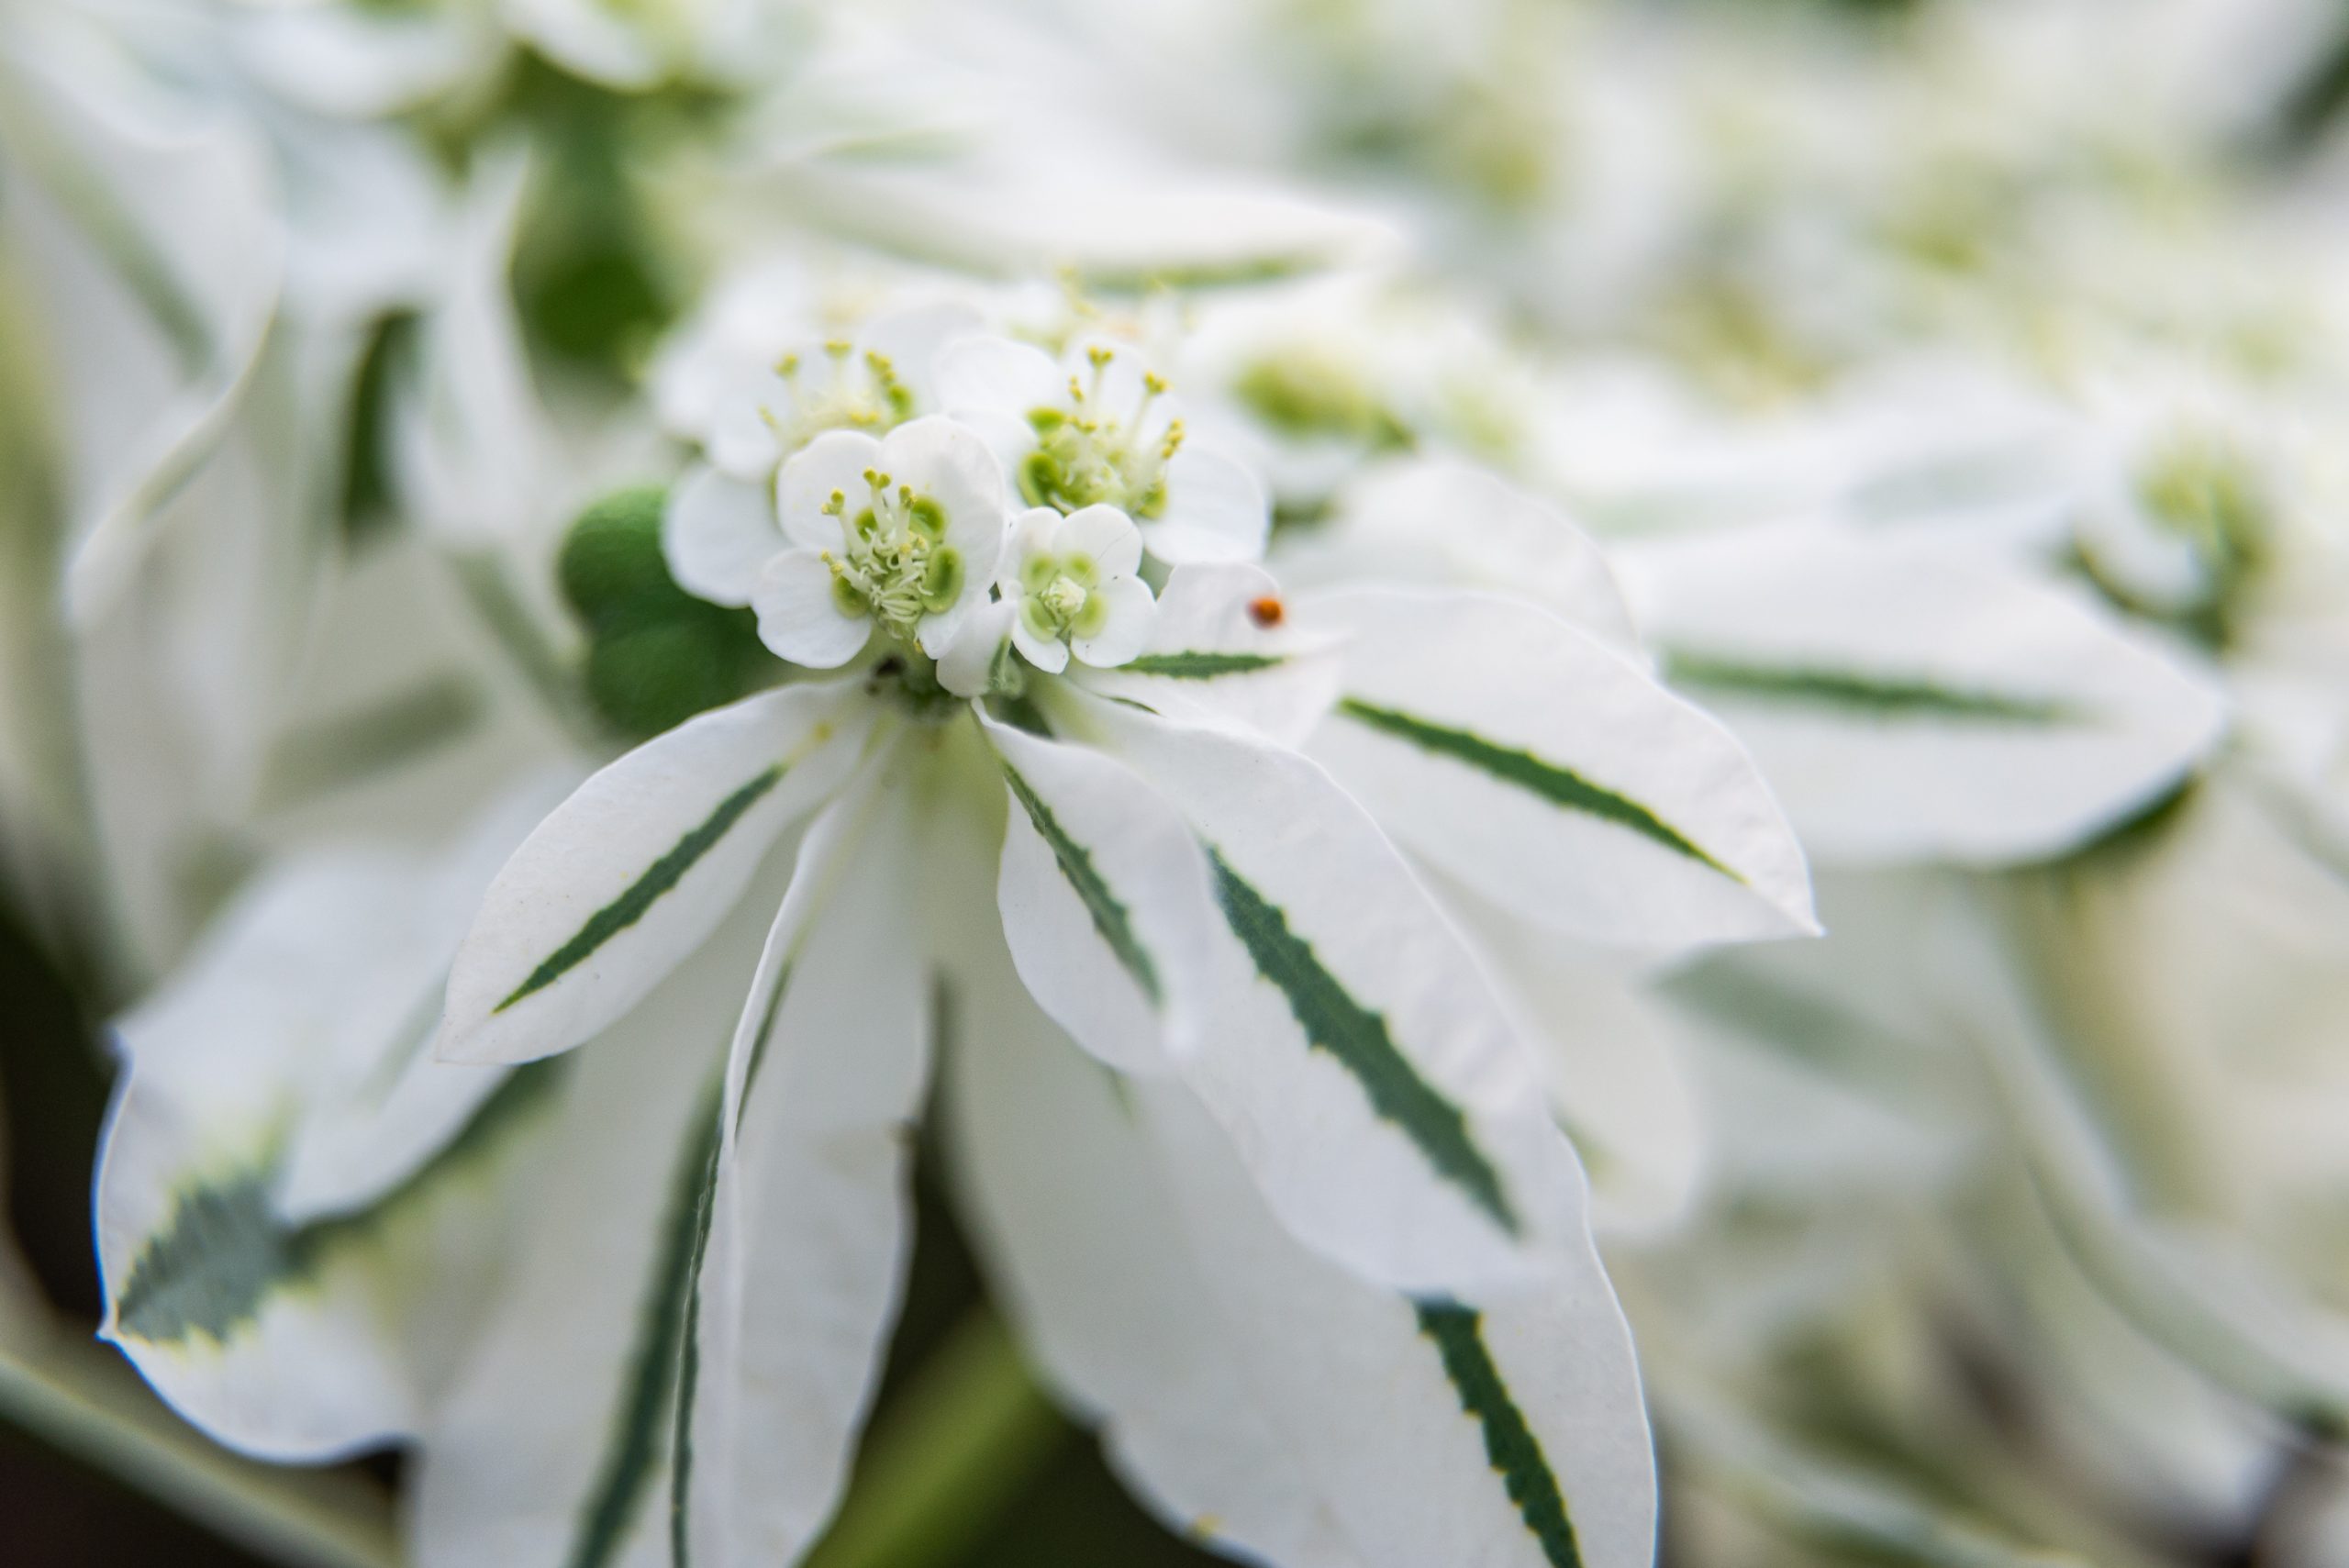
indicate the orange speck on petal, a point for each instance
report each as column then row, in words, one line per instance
column 1267, row 611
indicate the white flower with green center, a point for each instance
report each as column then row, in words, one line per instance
column 753, row 384
column 1097, row 427
column 1071, row 584
column 898, row 537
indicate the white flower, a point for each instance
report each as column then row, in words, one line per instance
column 752, row 396
column 900, row 536
column 1097, row 427
column 1071, row 582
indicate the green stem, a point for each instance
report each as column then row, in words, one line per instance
column 86, row 1404
column 954, row 1450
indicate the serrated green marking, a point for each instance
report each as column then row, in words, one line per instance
column 1200, row 666
column 1515, row 1452
column 1878, row 696
column 647, row 890
column 225, row 1251
column 1334, row 1021
column 632, row 1450
column 1517, row 766
column 1110, row 916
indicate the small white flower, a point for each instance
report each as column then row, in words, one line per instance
column 1071, row 582
column 1097, row 428
column 751, row 415
column 901, row 535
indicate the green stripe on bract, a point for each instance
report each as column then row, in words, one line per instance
column 226, row 1250
column 659, row 878
column 1110, row 916
column 1560, row 787
column 1199, row 666
column 1515, row 1452
column 1876, row 696
column 681, row 1460
column 759, row 1043
column 1334, row 1021
column 633, row 1450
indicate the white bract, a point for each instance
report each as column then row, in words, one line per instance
column 1098, row 427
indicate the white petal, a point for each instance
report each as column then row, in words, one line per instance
column 741, row 440
column 1049, row 654
column 717, row 535
column 375, row 1118
column 800, row 619
column 1413, row 1394
column 807, row 1233
column 912, row 339
column 1553, row 776
column 967, row 667
column 1254, row 1392
column 1104, row 533
column 1084, row 1246
column 286, row 1367
column 1362, row 1064
column 834, row 463
column 633, row 871
column 1619, row 1081
column 1032, row 533
column 1105, row 901
column 1915, row 701
column 999, row 376
column 1438, row 522
column 1223, row 647
column 1216, row 511
column 946, row 463
column 526, row 1457
column 1126, row 631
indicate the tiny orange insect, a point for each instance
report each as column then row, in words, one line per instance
column 1267, row 611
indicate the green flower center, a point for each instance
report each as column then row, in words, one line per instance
column 896, row 565
column 1059, row 598
column 861, row 392
column 1088, row 454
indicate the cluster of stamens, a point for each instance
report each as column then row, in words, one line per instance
column 859, row 392
column 1087, row 455
column 894, row 565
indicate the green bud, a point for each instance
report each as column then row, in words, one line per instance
column 610, row 567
